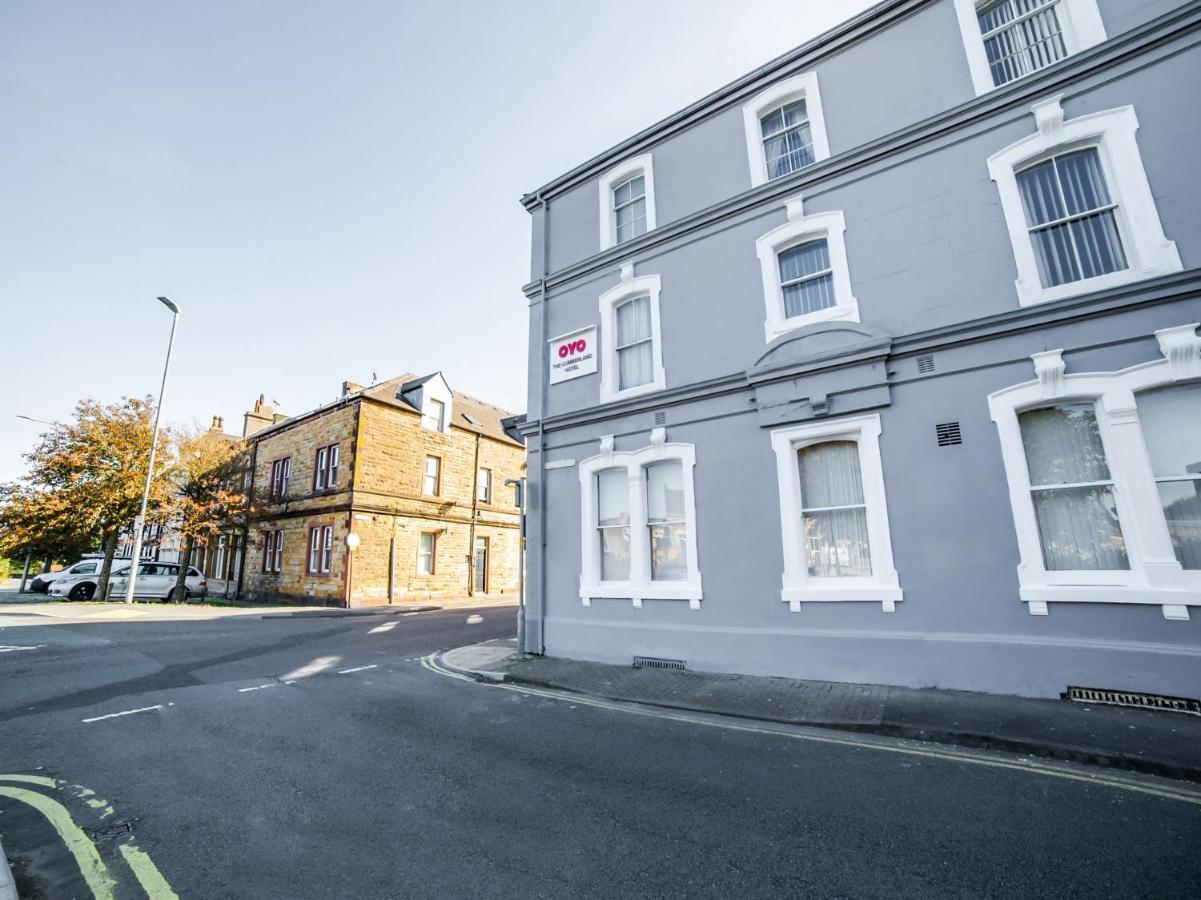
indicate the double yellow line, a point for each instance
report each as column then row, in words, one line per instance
column 95, row 873
column 1147, row 785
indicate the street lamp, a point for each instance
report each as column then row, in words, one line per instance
column 140, row 521
column 32, row 419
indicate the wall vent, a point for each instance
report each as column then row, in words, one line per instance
column 660, row 418
column 1133, row 699
column 948, row 434
column 654, row 662
column 925, row 363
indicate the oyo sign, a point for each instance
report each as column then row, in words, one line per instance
column 573, row 355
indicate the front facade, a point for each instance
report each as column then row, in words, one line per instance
column 882, row 363
column 393, row 494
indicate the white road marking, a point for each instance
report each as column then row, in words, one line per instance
column 12, row 648
column 380, row 629
column 357, row 669
column 127, row 712
column 320, row 664
column 474, row 619
column 257, row 688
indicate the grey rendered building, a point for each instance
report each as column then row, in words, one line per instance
column 881, row 364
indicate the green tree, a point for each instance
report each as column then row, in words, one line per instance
column 208, row 494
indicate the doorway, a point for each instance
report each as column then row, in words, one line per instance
column 480, row 566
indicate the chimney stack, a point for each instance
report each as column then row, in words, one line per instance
column 350, row 387
column 218, row 424
column 260, row 417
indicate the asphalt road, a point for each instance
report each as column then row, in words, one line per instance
column 298, row 758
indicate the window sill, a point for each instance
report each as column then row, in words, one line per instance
column 648, row 388
column 887, row 597
column 637, row 593
column 778, row 327
column 1173, row 601
column 1033, row 294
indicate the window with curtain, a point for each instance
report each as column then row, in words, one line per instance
column 1072, row 489
column 613, row 524
column 787, row 140
column 1171, row 420
column 431, row 477
column 833, row 511
column 427, row 544
column 806, row 278
column 629, row 208
column 635, row 361
column 1020, row 37
column 1071, row 218
column 666, row 521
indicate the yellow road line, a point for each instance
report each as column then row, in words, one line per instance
column 147, row 873
column 91, row 866
column 889, row 745
column 31, row 779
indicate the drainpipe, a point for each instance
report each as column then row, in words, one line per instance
column 543, row 386
column 475, row 502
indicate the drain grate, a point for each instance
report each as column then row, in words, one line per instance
column 1133, row 699
column 654, row 662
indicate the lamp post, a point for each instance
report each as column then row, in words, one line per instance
column 140, row 521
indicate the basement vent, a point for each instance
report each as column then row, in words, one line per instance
column 654, row 662
column 948, row 434
column 660, row 418
column 1130, row 698
column 925, row 364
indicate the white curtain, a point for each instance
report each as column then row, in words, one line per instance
column 833, row 511
column 666, row 521
column 613, row 524
column 804, row 262
column 634, row 344
column 1171, row 419
column 1071, row 489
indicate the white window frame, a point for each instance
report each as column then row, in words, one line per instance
column 640, row 586
column 799, row 229
column 883, row 585
column 1112, row 132
column 437, row 476
column 800, row 87
column 433, row 414
column 433, row 554
column 483, row 492
column 610, row 380
column 1079, row 21
column 637, row 165
column 1155, row 575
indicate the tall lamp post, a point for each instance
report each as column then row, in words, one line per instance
column 140, row 521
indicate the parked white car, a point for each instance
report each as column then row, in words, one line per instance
column 82, row 585
column 156, row 581
column 41, row 582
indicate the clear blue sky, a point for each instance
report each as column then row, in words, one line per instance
column 327, row 189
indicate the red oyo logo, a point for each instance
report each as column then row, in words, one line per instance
column 571, row 348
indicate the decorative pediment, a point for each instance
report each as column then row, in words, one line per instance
column 827, row 369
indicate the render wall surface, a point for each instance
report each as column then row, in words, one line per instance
column 932, row 269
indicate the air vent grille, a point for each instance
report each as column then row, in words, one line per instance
column 1134, row 699
column 660, row 418
column 948, row 434
column 925, row 363
column 654, row 662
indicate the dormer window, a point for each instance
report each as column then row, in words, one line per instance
column 627, row 201
column 433, row 416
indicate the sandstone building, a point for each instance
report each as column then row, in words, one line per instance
column 411, row 472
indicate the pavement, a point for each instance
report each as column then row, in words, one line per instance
column 242, row 756
column 1138, row 740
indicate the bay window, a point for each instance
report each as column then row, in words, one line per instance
column 833, row 514
column 1104, row 473
column 639, row 524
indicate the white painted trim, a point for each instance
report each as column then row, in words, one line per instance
column 640, row 587
column 630, row 287
column 795, row 88
column 798, row 229
column 1080, row 21
column 608, row 225
column 1112, row 132
column 883, row 585
column 437, row 389
column 1155, row 575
